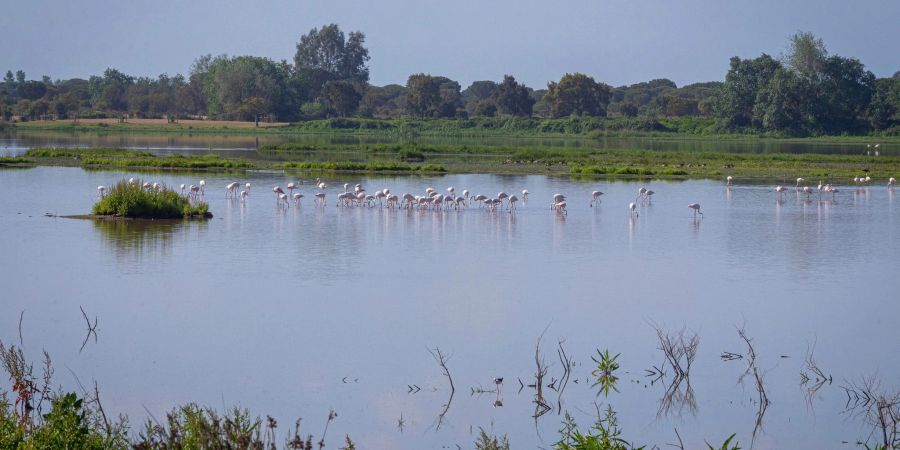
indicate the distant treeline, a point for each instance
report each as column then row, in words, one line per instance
column 804, row 92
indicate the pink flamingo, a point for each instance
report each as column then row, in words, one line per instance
column 696, row 208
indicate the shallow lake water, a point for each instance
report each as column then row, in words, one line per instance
column 296, row 311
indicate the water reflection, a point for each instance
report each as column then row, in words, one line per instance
column 133, row 241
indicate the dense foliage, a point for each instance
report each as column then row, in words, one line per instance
column 132, row 200
column 806, row 91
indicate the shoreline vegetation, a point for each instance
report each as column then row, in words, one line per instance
column 452, row 158
column 410, row 128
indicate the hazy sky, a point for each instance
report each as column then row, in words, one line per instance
column 615, row 41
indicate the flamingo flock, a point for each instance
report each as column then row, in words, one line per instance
column 431, row 199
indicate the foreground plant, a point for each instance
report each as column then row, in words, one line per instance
column 607, row 364
column 605, row 434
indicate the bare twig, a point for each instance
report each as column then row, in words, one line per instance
column 92, row 329
column 21, row 341
column 752, row 368
column 331, row 416
column 441, row 359
column 567, row 364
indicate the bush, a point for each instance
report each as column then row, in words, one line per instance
column 132, row 200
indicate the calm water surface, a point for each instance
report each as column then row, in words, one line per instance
column 294, row 312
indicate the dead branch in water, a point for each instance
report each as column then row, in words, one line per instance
column 753, row 368
column 91, row 329
column 679, row 349
column 442, row 359
column 567, row 364
column 881, row 409
column 541, row 406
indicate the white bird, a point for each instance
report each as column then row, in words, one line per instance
column 297, row 198
column 147, row 185
column 800, row 180
column 779, row 189
column 595, row 197
column 696, row 208
column 182, row 188
column 231, row 189
column 892, row 181
column 632, row 207
column 131, row 181
column 465, row 194
column 729, row 180
column 283, row 200
column 202, row 186
column 244, row 195
column 450, row 189
column 320, row 196
column 649, row 195
column 641, row 193
column 102, row 191
column 278, row 192
column 291, row 186
column 561, row 207
column 248, row 188
column 512, row 202
column 524, row 194
column 807, row 190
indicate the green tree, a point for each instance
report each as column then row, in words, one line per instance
column 31, row 90
column 845, row 88
column 885, row 104
column 737, row 97
column 341, row 97
column 232, row 86
column 20, row 76
column 476, row 92
column 423, row 95
column 450, row 104
column 512, row 98
column 329, row 51
column 9, row 78
column 806, row 55
column 577, row 94
column 385, row 101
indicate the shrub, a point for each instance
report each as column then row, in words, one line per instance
column 132, row 200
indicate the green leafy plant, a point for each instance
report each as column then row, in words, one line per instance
column 607, row 364
column 605, row 434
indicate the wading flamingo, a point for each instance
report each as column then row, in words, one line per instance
column 102, row 191
column 595, row 197
column 633, row 208
column 202, row 186
column 696, row 208
column 779, row 189
column 729, row 180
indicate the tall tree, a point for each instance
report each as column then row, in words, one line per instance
column 9, row 78
column 20, row 76
column 577, row 94
column 735, row 102
column 341, row 97
column 328, row 50
column 512, row 98
column 806, row 55
column 423, row 95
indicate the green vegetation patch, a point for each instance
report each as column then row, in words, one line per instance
column 14, row 160
column 56, row 152
column 133, row 201
column 363, row 167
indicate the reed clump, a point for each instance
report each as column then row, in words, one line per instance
column 132, row 200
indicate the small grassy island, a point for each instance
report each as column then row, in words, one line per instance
column 132, row 200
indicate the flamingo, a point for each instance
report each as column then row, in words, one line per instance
column 696, row 208
column 392, row 200
column 641, row 193
column 346, row 186
column 807, row 190
column 502, row 196
column 132, row 181
column 193, row 191
column 380, row 195
column 283, row 200
column 202, row 186
column 320, row 196
column 524, row 194
column 291, row 186
column 800, row 180
column 729, row 180
column 595, row 197
column 321, row 185
column 248, row 188
column 244, row 195
column 297, row 198
column 157, row 187
column 465, row 194
column 892, row 181
column 147, row 185
column 450, row 189
column 648, row 196
column 102, row 191
column 779, row 189
column 231, row 189
column 512, row 202
column 632, row 206
column 182, row 189
column 278, row 191
column 459, row 201
column 561, row 207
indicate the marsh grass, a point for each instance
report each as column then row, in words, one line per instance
column 4, row 160
column 133, row 201
column 348, row 166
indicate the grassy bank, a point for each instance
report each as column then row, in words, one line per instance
column 10, row 160
column 123, row 158
column 674, row 127
column 134, row 201
column 576, row 161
